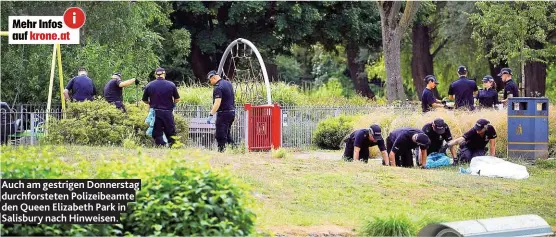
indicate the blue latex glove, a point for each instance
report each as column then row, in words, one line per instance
column 174, row 106
column 209, row 119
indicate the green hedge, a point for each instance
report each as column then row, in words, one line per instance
column 330, row 132
column 177, row 197
column 100, row 123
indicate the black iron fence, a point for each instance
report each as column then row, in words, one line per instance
column 25, row 124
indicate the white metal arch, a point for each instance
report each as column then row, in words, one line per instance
column 259, row 58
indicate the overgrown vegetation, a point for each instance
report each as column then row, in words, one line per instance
column 282, row 93
column 100, row 123
column 329, row 130
column 178, row 197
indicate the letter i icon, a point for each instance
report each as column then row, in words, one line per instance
column 74, row 16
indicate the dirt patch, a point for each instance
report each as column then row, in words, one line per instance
column 321, row 230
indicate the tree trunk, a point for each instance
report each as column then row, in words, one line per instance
column 535, row 75
column 421, row 60
column 200, row 63
column 393, row 25
column 357, row 72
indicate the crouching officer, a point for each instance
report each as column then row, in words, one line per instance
column 114, row 88
column 438, row 132
column 82, row 87
column 428, row 101
column 359, row 142
column 224, row 108
column 473, row 142
column 488, row 96
column 161, row 95
column 400, row 144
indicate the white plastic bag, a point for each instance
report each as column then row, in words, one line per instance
column 495, row 167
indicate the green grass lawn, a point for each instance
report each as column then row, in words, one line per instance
column 304, row 191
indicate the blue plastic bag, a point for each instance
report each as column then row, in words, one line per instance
column 436, row 160
column 150, row 121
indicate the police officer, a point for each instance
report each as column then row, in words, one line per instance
column 463, row 89
column 400, row 144
column 224, row 108
column 473, row 142
column 114, row 88
column 359, row 142
column 82, row 87
column 428, row 101
column 510, row 88
column 161, row 95
column 488, row 96
column 438, row 132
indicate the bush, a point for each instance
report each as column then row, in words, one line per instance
column 330, row 132
column 100, row 123
column 177, row 197
column 399, row 225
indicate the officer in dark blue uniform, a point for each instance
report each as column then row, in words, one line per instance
column 400, row 144
column 473, row 142
column 488, row 96
column 82, row 87
column 114, row 88
column 161, row 95
column 359, row 142
column 510, row 88
column 224, row 108
column 438, row 132
column 428, row 101
column 463, row 89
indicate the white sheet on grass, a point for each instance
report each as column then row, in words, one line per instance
column 495, row 167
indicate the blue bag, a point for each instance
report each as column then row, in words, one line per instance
column 436, row 160
column 150, row 121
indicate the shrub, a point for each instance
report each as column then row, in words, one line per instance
column 279, row 153
column 399, row 225
column 330, row 132
column 100, row 123
column 177, row 197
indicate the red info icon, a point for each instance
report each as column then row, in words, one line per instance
column 74, row 17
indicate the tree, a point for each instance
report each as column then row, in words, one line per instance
column 117, row 36
column 355, row 25
column 519, row 32
column 393, row 25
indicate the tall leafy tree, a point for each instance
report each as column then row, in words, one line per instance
column 117, row 36
column 519, row 32
column 393, row 26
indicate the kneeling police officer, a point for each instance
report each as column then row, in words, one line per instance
column 359, row 142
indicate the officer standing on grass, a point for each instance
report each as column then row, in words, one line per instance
column 488, row 96
column 428, row 101
column 510, row 88
column 463, row 90
column 114, row 88
column 400, row 144
column 473, row 142
column 224, row 108
column 161, row 95
column 82, row 87
column 359, row 142
column 438, row 132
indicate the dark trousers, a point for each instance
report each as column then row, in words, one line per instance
column 224, row 121
column 465, row 155
column 403, row 158
column 5, row 131
column 363, row 153
column 164, row 125
column 119, row 105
